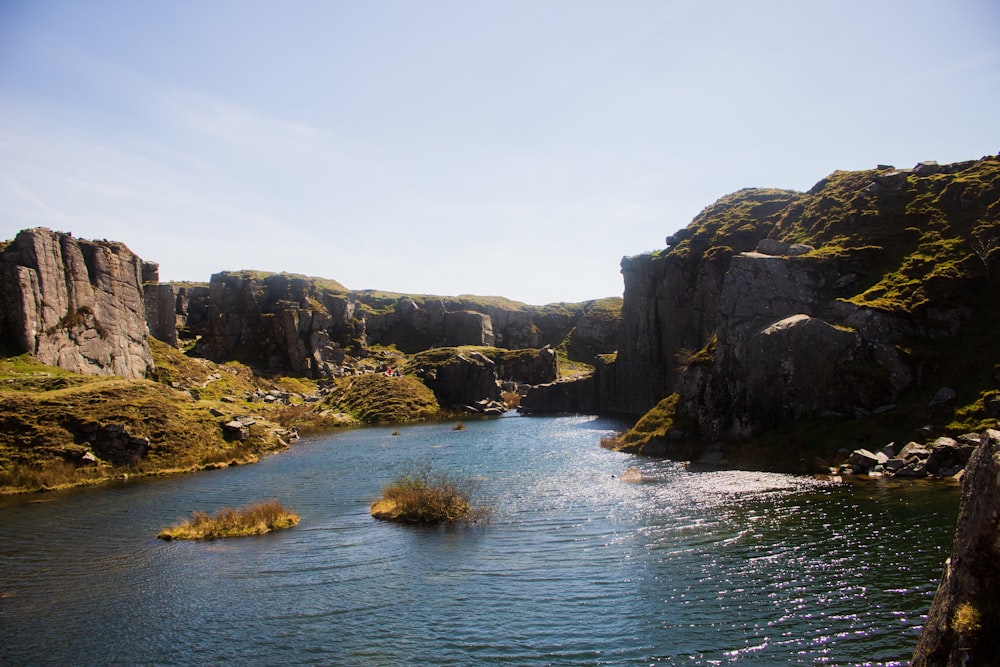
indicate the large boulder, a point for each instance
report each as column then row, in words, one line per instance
column 785, row 376
column 526, row 366
column 467, row 327
column 963, row 625
column 75, row 304
column 570, row 395
column 457, row 378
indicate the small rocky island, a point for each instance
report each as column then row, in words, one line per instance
column 255, row 519
column 428, row 499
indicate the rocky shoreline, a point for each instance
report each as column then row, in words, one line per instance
column 943, row 458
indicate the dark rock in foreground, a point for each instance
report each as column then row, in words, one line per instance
column 963, row 626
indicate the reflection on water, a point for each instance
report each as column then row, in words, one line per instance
column 578, row 567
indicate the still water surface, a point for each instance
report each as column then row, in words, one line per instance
column 577, row 566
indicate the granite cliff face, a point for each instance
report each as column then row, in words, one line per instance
column 75, row 304
column 275, row 321
column 843, row 301
column 773, row 305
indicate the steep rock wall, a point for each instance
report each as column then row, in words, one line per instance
column 774, row 305
column 274, row 321
column 282, row 322
column 75, row 304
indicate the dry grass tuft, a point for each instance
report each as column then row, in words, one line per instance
column 427, row 498
column 966, row 620
column 255, row 519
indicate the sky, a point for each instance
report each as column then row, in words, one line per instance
column 515, row 148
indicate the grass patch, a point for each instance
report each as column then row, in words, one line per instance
column 655, row 425
column 49, row 418
column 377, row 399
column 423, row 497
column 569, row 368
column 48, row 476
column 255, row 519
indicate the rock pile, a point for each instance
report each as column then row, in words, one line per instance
column 105, row 443
column 945, row 457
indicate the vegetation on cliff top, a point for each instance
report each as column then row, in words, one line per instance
column 255, row 519
column 914, row 239
column 321, row 283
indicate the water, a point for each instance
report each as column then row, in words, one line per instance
column 577, row 566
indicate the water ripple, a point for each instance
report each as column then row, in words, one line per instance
column 578, row 567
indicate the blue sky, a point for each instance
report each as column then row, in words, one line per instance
column 515, row 148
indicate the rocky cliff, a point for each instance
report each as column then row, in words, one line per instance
column 75, row 304
column 963, row 625
column 309, row 326
column 864, row 295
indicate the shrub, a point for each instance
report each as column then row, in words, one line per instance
column 426, row 498
column 966, row 619
column 46, row 476
column 255, row 519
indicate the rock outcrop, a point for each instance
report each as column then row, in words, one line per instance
column 963, row 625
column 572, row 396
column 413, row 327
column 472, row 379
column 75, row 304
column 774, row 315
column 298, row 324
column 161, row 310
column 774, row 305
column 275, row 322
column 465, row 380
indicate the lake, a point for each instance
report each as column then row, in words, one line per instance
column 576, row 567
